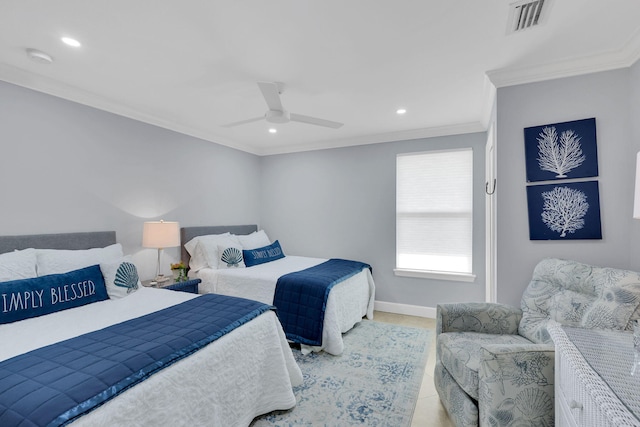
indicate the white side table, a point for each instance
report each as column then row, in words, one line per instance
column 592, row 376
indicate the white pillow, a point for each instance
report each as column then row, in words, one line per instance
column 198, row 259
column 257, row 239
column 190, row 246
column 120, row 277
column 56, row 261
column 18, row 265
column 230, row 256
column 206, row 254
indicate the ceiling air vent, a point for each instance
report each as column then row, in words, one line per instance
column 525, row 14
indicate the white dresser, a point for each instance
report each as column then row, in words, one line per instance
column 593, row 385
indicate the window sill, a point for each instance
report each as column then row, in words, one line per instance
column 440, row 275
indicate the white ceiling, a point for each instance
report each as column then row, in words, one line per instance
column 193, row 65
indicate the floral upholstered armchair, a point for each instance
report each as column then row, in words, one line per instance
column 495, row 363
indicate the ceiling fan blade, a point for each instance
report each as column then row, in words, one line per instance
column 314, row 121
column 242, row 122
column 271, row 93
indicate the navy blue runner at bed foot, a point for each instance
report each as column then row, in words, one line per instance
column 53, row 385
column 301, row 297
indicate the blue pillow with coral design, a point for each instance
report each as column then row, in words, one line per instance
column 26, row 298
column 261, row 255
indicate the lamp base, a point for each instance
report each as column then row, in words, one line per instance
column 160, row 278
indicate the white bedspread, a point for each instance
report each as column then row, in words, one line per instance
column 349, row 301
column 248, row 372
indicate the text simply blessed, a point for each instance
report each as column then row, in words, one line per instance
column 27, row 300
column 266, row 253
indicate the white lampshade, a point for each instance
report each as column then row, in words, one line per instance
column 161, row 234
column 636, row 198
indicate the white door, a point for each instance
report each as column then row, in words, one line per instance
column 490, row 206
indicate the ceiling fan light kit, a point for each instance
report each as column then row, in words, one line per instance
column 277, row 114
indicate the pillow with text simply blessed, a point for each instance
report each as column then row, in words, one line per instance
column 261, row 255
column 120, row 277
column 26, row 298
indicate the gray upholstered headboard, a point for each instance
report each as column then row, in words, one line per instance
column 188, row 233
column 86, row 240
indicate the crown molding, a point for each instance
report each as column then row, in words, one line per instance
column 622, row 58
column 49, row 86
column 504, row 77
column 403, row 135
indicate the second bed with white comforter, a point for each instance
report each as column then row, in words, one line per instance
column 348, row 302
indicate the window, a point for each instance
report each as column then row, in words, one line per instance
column 434, row 214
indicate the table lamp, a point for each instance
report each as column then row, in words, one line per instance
column 160, row 235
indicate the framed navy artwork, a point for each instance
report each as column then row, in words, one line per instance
column 561, row 151
column 564, row 211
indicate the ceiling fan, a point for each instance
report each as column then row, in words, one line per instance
column 276, row 112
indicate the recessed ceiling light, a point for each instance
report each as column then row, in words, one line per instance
column 71, row 42
column 273, row 130
column 401, row 111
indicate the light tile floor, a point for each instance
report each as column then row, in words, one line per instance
column 429, row 411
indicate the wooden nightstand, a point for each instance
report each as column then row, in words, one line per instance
column 190, row 285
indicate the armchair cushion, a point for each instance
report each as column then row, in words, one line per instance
column 577, row 294
column 459, row 353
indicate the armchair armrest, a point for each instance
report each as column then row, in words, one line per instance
column 516, row 383
column 490, row 318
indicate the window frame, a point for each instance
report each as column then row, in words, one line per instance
column 436, row 274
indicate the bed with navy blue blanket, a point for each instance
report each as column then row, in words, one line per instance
column 63, row 381
column 247, row 370
column 79, row 332
column 342, row 291
column 301, row 297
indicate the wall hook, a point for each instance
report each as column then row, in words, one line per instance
column 486, row 187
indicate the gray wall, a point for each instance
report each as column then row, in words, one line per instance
column 67, row 167
column 634, row 92
column 341, row 203
column 605, row 96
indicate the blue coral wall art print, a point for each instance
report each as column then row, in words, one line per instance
column 564, row 211
column 561, row 151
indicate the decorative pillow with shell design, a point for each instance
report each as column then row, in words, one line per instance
column 120, row 277
column 230, row 257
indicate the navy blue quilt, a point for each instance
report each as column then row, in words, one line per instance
column 53, row 385
column 301, row 297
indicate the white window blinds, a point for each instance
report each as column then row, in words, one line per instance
column 434, row 214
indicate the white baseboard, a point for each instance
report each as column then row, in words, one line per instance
column 409, row 310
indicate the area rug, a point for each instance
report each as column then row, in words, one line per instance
column 375, row 382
